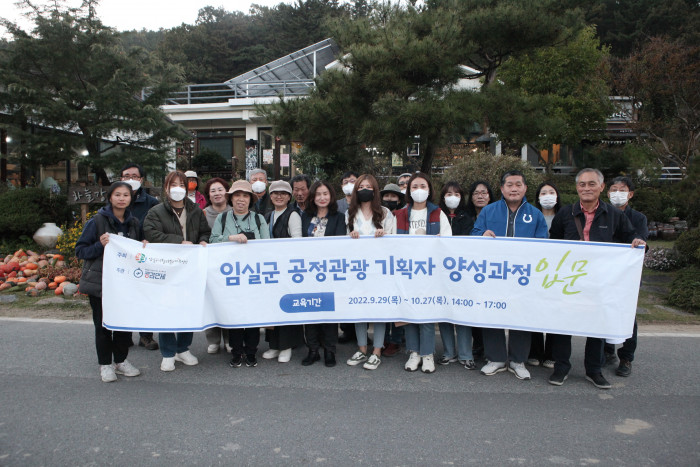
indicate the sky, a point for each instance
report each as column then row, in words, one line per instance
column 125, row 15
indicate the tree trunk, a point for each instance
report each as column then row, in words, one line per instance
column 427, row 163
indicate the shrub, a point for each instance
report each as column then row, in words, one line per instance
column 688, row 246
column 655, row 203
column 71, row 233
column 663, row 259
column 685, row 290
column 24, row 210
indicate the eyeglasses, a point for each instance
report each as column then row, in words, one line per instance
column 404, row 183
column 480, row 193
column 131, row 177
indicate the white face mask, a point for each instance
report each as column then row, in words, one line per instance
column 452, row 201
column 177, row 193
column 618, row 198
column 135, row 184
column 548, row 201
column 419, row 196
column 259, row 187
column 403, row 191
column 347, row 188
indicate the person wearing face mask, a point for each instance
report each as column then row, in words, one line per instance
column 402, row 182
column 216, row 194
column 366, row 216
column 392, row 198
column 620, row 193
column 176, row 220
column 547, row 200
column 134, row 175
column 258, row 182
column 321, row 219
column 192, row 193
column 421, row 217
column 453, row 205
column 347, row 182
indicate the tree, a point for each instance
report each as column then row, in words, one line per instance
column 663, row 79
column 69, row 84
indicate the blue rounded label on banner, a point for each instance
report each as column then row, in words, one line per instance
column 308, row 302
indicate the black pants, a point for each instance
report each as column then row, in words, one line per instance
column 626, row 352
column 285, row 337
column 108, row 343
column 540, row 348
column 317, row 333
column 244, row 341
column 593, row 357
column 495, row 349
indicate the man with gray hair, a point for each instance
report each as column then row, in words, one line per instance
column 590, row 220
column 258, row 180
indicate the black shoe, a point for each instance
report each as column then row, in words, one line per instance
column 599, row 381
column 478, row 353
column 236, row 361
column 625, row 368
column 148, row 343
column 251, row 361
column 329, row 358
column 311, row 358
column 610, row 359
column 558, row 378
column 344, row 338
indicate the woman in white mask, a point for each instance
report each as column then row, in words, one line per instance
column 548, row 201
column 176, row 220
column 421, row 217
column 453, row 204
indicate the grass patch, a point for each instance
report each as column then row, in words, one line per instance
column 661, row 243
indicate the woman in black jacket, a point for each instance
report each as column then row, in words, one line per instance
column 114, row 218
column 321, row 219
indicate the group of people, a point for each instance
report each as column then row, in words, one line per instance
column 253, row 209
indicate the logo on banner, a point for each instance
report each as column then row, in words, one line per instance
column 140, row 258
column 149, row 274
column 138, row 273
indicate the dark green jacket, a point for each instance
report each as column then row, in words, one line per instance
column 162, row 225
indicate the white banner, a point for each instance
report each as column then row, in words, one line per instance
column 565, row 287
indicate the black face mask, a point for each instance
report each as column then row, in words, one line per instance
column 365, row 195
column 390, row 205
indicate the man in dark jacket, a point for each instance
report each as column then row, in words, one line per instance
column 590, row 220
column 133, row 174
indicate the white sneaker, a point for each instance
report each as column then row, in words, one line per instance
column 372, row 363
column 168, row 364
column 229, row 349
column 548, row 364
column 187, row 358
column 213, row 348
column 127, row 369
column 270, row 354
column 519, row 370
column 107, row 373
column 413, row 362
column 285, row 356
column 428, row 364
column 533, row 362
column 491, row 368
column 357, row 358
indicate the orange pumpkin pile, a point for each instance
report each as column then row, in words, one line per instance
column 27, row 268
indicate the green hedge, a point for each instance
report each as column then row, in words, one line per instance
column 685, row 290
column 24, row 210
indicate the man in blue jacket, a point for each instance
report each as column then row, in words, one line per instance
column 512, row 216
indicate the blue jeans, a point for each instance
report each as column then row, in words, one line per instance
column 171, row 343
column 464, row 341
column 420, row 338
column 361, row 332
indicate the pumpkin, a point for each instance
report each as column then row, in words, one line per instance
column 40, row 285
column 5, row 286
column 21, row 279
column 31, row 266
column 59, row 279
column 59, row 290
column 53, row 285
column 58, row 257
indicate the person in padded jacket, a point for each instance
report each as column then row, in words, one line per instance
column 176, row 220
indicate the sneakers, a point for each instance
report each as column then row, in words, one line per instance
column 127, row 369
column 428, row 364
column 548, row 364
column 557, row 378
column 519, row 370
column 187, row 358
column 357, row 358
column 213, row 348
column 625, row 368
column 285, row 356
column 372, row 363
column 168, row 364
column 610, row 359
column 148, row 343
column 413, row 362
column 470, row 365
column 391, row 349
column 599, row 381
column 107, row 373
column 270, row 354
column 447, row 360
column 251, row 361
column 236, row 361
column 491, row 368
column 533, row 362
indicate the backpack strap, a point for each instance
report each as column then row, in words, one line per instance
column 577, row 221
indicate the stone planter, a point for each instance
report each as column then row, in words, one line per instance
column 47, row 235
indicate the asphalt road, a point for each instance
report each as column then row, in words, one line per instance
column 55, row 411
